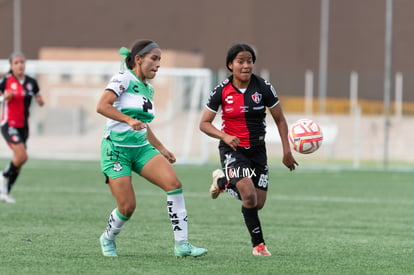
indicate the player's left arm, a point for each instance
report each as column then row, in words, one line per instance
column 159, row 146
column 38, row 97
column 39, row 100
column 281, row 123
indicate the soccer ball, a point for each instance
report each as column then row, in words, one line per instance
column 305, row 136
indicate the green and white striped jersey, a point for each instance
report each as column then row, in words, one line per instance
column 135, row 99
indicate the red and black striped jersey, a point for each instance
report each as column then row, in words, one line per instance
column 243, row 113
column 15, row 111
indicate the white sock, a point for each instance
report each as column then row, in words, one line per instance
column 116, row 222
column 3, row 185
column 178, row 214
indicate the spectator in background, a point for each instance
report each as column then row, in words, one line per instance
column 17, row 90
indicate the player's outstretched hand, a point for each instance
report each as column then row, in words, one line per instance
column 289, row 161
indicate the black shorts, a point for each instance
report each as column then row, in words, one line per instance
column 245, row 162
column 15, row 135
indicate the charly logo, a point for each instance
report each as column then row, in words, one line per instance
column 229, row 99
column 117, row 166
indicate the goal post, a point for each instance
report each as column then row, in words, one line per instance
column 181, row 94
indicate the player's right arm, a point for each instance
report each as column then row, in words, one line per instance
column 206, row 126
column 5, row 94
column 106, row 108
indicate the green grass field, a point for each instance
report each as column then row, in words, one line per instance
column 314, row 222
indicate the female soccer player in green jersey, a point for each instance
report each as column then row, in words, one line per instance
column 129, row 145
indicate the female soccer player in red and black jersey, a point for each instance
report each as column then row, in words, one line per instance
column 17, row 90
column 244, row 98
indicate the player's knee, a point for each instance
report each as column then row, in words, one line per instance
column 24, row 159
column 249, row 200
column 261, row 199
column 173, row 185
column 20, row 159
column 127, row 209
column 259, row 205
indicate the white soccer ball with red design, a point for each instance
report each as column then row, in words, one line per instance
column 305, row 136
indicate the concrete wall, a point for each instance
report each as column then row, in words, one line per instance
column 285, row 33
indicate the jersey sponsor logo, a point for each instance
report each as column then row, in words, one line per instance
column 228, row 109
column 258, row 108
column 115, row 80
column 229, row 99
column 121, row 88
column 257, row 97
column 244, row 109
column 13, row 86
column 238, row 172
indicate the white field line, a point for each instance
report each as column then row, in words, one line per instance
column 342, row 200
column 160, row 193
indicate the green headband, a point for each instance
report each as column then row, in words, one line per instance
column 147, row 48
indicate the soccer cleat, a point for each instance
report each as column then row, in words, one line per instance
column 184, row 249
column 7, row 198
column 108, row 246
column 214, row 188
column 261, row 250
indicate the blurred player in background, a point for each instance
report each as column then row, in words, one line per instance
column 17, row 90
column 244, row 98
column 129, row 145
